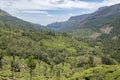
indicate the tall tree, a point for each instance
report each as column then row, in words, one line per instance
column 31, row 63
column 2, row 53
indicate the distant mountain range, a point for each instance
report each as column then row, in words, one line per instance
column 92, row 25
column 7, row 20
column 73, row 22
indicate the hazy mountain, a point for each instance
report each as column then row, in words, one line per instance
column 92, row 25
column 6, row 20
column 3, row 13
column 93, row 21
column 73, row 22
column 79, row 17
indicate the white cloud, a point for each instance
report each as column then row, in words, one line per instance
column 53, row 4
column 58, row 1
column 34, row 12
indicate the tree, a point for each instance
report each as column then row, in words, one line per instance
column 12, row 65
column 52, row 66
column 15, row 67
column 38, row 56
column 31, row 63
column 58, row 73
column 1, row 57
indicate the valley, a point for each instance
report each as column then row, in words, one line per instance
column 86, row 47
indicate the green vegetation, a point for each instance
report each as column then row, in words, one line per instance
column 56, row 56
column 31, row 64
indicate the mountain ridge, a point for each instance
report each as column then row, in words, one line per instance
column 93, row 20
column 73, row 20
column 7, row 20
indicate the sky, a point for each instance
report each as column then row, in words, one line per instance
column 47, row 11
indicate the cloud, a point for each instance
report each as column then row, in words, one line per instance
column 58, row 1
column 34, row 12
column 53, row 4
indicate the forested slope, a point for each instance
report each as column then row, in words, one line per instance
column 56, row 55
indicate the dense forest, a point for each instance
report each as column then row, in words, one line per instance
column 42, row 55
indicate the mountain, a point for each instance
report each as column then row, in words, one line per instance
column 90, row 23
column 7, row 20
column 101, row 17
column 80, row 18
column 72, row 22
column 108, row 30
column 104, row 22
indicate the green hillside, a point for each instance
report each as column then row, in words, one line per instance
column 7, row 20
column 57, row 56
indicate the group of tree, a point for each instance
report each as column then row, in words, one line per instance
column 54, row 49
